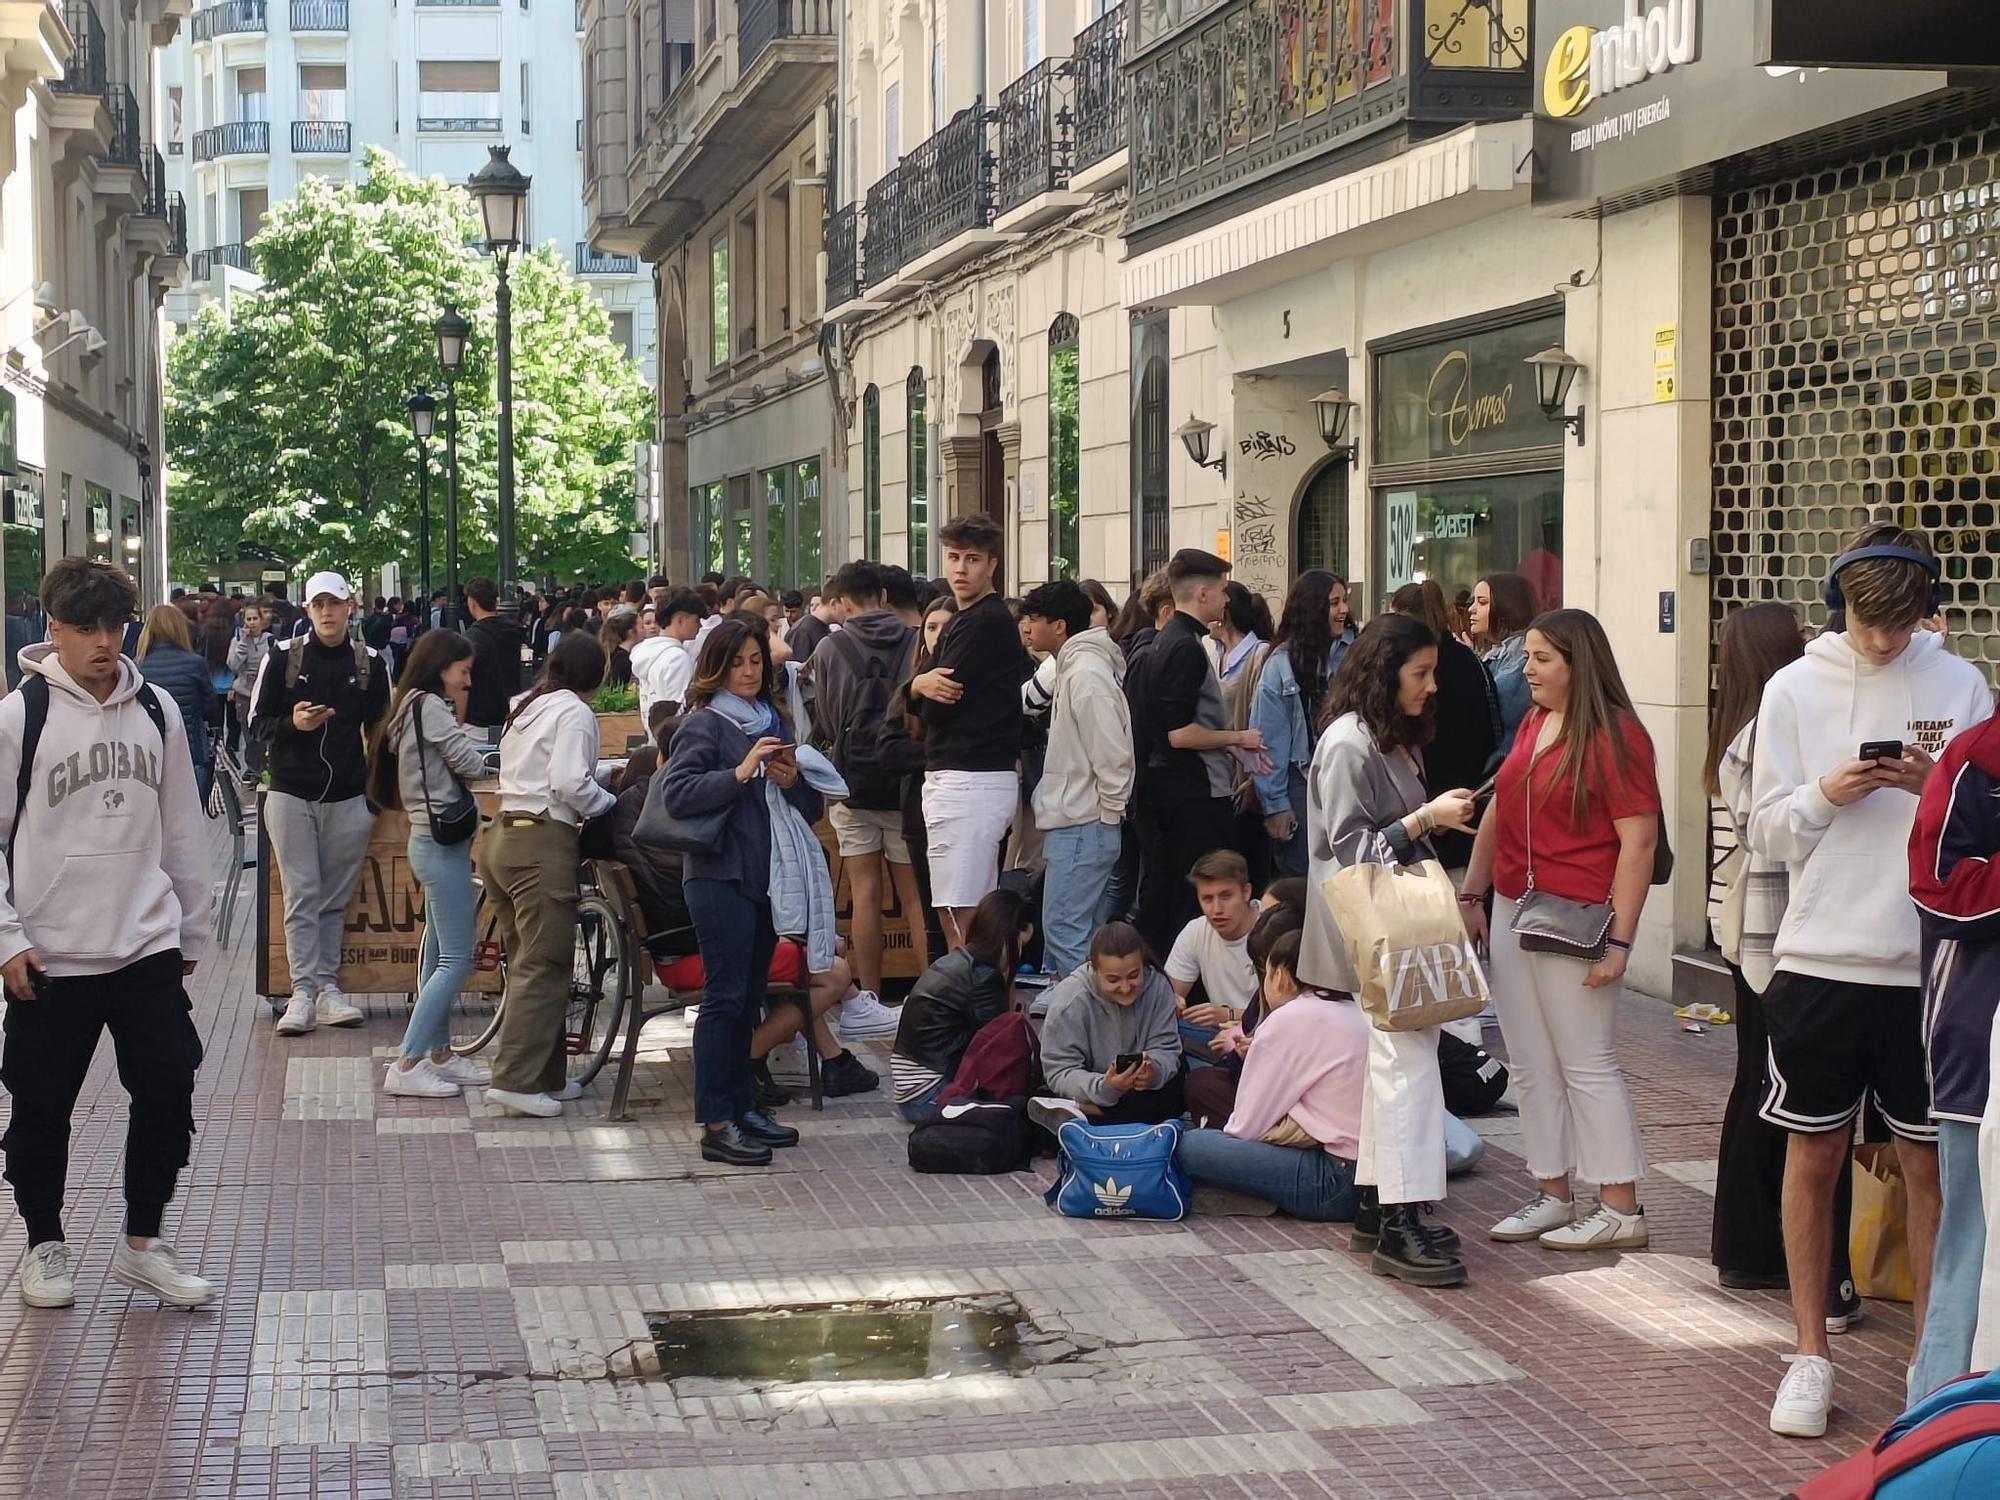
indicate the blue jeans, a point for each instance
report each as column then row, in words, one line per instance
column 1306, row 1184
column 449, row 904
column 1953, row 1313
column 1077, row 891
column 918, row 1110
column 736, row 942
column 1290, row 857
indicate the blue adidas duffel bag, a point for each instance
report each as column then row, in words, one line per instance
column 1119, row 1172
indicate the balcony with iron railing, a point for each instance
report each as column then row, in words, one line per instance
column 205, row 262
column 85, row 73
column 177, row 226
column 842, row 242
column 153, row 167
column 319, row 15
column 881, row 231
column 592, row 262
column 1102, row 89
column 233, row 138
column 761, row 23
column 1226, row 94
column 948, row 182
column 230, row 18
column 123, row 109
column 1037, row 130
column 322, row 137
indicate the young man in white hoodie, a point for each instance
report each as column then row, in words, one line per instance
column 106, row 911
column 1844, row 1010
column 1086, row 773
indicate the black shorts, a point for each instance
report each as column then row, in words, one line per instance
column 1833, row 1042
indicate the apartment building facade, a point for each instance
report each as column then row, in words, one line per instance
column 258, row 94
column 90, row 237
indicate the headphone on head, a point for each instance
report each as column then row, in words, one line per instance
column 1837, row 600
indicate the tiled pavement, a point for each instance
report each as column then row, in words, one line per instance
column 424, row 1300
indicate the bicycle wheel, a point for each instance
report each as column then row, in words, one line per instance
column 598, row 981
column 470, row 1002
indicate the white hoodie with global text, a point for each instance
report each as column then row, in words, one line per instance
column 111, row 861
column 1849, row 916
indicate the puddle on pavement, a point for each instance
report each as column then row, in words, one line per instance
column 844, row 1341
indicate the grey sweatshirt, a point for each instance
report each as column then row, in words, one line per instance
column 1085, row 1033
column 452, row 752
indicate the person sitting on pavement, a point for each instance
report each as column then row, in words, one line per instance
column 1210, row 952
column 1211, row 1092
column 1111, row 1043
column 670, row 939
column 953, row 998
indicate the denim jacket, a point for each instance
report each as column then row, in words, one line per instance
column 1506, row 663
column 1278, row 712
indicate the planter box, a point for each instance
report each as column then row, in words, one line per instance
column 613, row 730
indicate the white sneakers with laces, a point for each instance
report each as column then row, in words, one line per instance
column 155, row 1269
column 46, row 1280
column 336, row 1010
column 421, row 1080
column 300, row 1016
column 1534, row 1219
column 1605, row 1228
column 1805, row 1397
column 864, row 1014
column 541, row 1106
column 463, row 1071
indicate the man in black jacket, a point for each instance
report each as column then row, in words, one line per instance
column 316, row 698
column 496, row 656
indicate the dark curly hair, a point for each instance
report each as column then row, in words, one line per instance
column 1303, row 632
column 1369, row 682
column 85, row 593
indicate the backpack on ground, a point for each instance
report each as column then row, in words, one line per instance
column 1118, row 1172
column 980, row 1138
column 295, row 663
column 34, row 691
column 1945, row 1447
column 1003, row 1061
column 1474, row 1079
column 856, row 746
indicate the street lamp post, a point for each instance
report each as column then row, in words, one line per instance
column 422, row 407
column 452, row 332
column 500, row 189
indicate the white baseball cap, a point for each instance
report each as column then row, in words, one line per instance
column 327, row 583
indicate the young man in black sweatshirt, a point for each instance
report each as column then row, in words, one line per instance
column 316, row 699
column 970, row 702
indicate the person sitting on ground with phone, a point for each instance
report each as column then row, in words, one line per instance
column 1111, row 1044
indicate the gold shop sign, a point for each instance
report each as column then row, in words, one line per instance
column 1468, row 395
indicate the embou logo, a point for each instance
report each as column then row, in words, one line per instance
column 1585, row 64
column 1111, row 1198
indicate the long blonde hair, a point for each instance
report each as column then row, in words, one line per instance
column 165, row 626
column 1598, row 707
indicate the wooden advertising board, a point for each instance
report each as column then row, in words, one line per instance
column 385, row 919
column 899, row 956
column 614, row 734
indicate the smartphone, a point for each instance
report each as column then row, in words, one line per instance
column 1127, row 1061
column 39, row 982
column 1485, row 789
column 785, row 755
column 1882, row 750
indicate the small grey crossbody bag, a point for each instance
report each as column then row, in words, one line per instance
column 1553, row 924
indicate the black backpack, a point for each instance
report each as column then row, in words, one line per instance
column 856, row 750
column 34, row 692
column 978, row 1139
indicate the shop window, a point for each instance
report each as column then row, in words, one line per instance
column 806, row 499
column 1461, row 530
column 919, row 476
column 1065, row 449
column 778, row 571
column 871, row 474
column 706, row 502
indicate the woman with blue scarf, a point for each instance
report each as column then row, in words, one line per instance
column 734, row 755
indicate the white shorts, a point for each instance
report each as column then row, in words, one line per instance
column 966, row 816
column 867, row 830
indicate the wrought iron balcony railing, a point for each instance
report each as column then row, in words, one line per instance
column 947, row 182
column 124, row 112
column 233, row 138
column 234, row 256
column 154, row 168
column 229, row 18
column 85, row 73
column 177, row 226
column 1037, row 127
column 762, row 22
column 319, row 15
column 1102, row 90
column 593, row 262
column 322, row 137
column 842, row 243
column 882, row 235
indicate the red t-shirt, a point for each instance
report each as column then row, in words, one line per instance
column 1574, row 861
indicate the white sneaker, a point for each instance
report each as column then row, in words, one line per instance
column 787, row 1062
column 156, row 1270
column 463, row 1071
column 571, row 1090
column 539, row 1105
column 865, row 1015
column 1051, row 1112
column 335, row 1009
column 1603, row 1229
column 1805, row 1396
column 299, row 1017
column 45, row 1276
column 1534, row 1219
column 423, row 1081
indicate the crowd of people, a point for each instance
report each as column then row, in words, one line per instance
column 1129, row 810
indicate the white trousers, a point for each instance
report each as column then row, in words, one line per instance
column 1402, row 1118
column 1576, row 1112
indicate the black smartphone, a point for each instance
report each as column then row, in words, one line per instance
column 39, row 982
column 1485, row 789
column 1882, row 750
column 1127, row 1061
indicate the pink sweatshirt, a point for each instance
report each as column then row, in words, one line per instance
column 1308, row 1060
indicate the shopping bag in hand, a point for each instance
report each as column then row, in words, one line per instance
column 1413, row 963
column 1879, row 1239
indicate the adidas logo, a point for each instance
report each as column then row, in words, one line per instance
column 1111, row 1198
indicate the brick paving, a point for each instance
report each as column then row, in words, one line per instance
column 425, row 1300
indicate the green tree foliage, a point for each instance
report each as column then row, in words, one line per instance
column 285, row 420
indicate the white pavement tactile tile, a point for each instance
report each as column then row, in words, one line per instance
column 446, row 1276
column 329, row 1088
column 321, row 1333
column 1337, row 1411
column 501, row 1456
column 287, row 1411
column 422, row 1125
column 1699, row 1175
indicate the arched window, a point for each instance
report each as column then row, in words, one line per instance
column 871, row 474
column 919, row 490
column 1065, row 449
column 1319, row 537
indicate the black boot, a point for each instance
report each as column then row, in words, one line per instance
column 732, row 1146
column 1367, row 1223
column 766, row 1131
column 1443, row 1236
column 1405, row 1251
column 769, row 1094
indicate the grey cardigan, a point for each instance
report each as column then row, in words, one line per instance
column 1357, row 795
column 451, row 752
